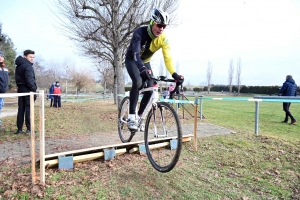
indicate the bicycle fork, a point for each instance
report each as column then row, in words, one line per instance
column 162, row 121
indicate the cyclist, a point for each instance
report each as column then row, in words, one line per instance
column 145, row 41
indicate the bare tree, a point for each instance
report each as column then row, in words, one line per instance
column 66, row 67
column 41, row 74
column 106, row 72
column 103, row 28
column 238, row 74
column 230, row 75
column 55, row 70
column 208, row 76
column 126, row 75
column 82, row 79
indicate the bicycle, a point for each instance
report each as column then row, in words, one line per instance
column 162, row 134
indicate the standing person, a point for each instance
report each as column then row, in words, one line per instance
column 146, row 40
column 51, row 91
column 289, row 88
column 25, row 80
column 3, row 81
column 57, row 95
column 165, row 93
column 171, row 87
column 178, row 93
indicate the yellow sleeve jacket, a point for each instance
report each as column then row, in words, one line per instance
column 142, row 47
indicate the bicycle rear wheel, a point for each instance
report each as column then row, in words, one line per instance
column 163, row 137
column 124, row 133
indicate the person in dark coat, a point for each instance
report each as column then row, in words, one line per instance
column 25, row 80
column 51, row 91
column 3, row 81
column 289, row 88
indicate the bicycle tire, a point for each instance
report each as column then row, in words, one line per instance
column 168, row 118
column 124, row 133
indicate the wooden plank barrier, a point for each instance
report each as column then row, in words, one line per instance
column 184, row 139
column 88, row 154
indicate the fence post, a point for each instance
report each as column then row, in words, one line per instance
column 33, row 173
column 256, row 116
column 195, row 123
column 201, row 106
column 42, row 136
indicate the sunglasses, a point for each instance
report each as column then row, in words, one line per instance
column 161, row 26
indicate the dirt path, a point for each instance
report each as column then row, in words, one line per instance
column 19, row 151
column 7, row 111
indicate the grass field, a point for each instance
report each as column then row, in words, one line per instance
column 240, row 116
column 233, row 166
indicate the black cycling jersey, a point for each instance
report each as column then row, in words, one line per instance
column 144, row 44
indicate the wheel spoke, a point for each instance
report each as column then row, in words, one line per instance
column 124, row 133
column 164, row 122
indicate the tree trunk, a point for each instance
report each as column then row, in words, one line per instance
column 115, row 88
column 104, row 95
column 119, row 76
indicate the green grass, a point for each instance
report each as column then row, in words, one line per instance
column 240, row 116
column 233, row 166
column 80, row 118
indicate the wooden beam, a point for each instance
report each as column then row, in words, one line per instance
column 158, row 145
column 136, row 149
column 116, row 146
column 92, row 156
column 83, row 158
column 186, row 139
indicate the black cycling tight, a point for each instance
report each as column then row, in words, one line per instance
column 136, row 79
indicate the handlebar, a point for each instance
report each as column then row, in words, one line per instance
column 162, row 79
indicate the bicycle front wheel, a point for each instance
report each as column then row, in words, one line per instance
column 124, row 133
column 163, row 137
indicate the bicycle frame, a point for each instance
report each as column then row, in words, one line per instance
column 161, row 121
column 153, row 99
column 152, row 105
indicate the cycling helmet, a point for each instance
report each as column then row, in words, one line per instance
column 160, row 17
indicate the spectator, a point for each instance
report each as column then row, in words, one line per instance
column 171, row 87
column 165, row 93
column 51, row 91
column 57, row 95
column 289, row 88
column 178, row 95
column 25, row 80
column 3, row 81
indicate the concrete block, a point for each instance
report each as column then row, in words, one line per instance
column 65, row 162
column 109, row 154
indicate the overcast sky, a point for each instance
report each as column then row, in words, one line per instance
column 265, row 34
